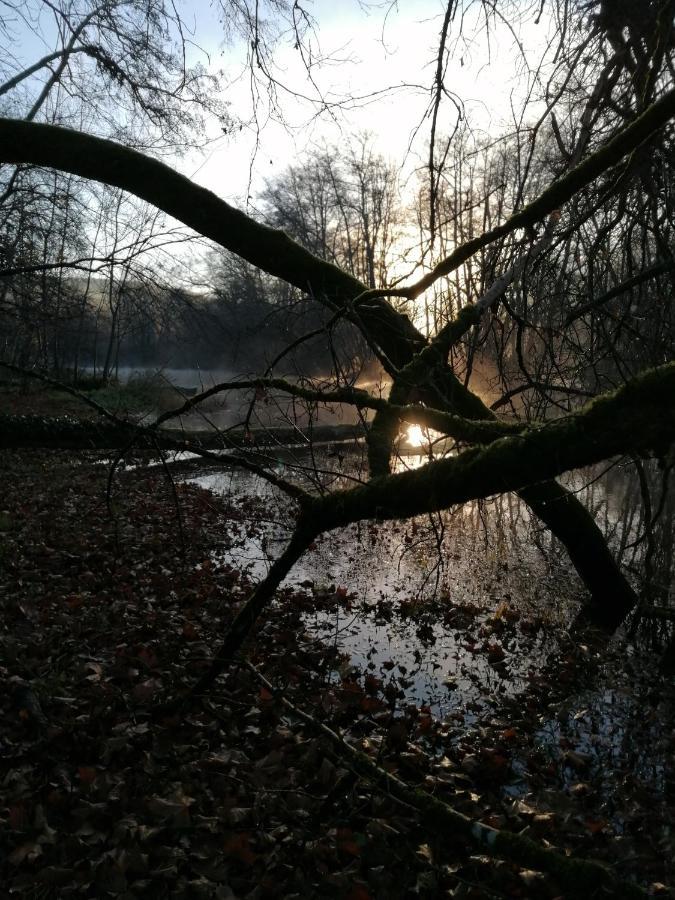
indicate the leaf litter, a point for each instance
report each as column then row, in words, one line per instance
column 109, row 611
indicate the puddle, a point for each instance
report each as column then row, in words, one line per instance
column 422, row 593
column 463, row 610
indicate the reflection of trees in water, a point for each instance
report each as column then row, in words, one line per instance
column 632, row 502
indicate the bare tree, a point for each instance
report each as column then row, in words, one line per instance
column 343, row 206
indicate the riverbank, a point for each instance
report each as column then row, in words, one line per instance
column 127, row 399
column 110, row 608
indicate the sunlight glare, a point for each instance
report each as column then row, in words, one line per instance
column 416, row 436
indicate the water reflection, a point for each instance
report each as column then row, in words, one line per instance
column 464, row 609
column 407, row 576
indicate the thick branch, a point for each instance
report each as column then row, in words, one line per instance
column 273, row 250
column 239, row 630
column 640, row 417
column 558, row 193
column 446, row 423
column 268, row 248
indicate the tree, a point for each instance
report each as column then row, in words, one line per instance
column 117, row 67
column 402, row 349
column 343, row 206
column 523, row 235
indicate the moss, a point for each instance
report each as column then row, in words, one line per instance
column 638, row 417
column 138, row 394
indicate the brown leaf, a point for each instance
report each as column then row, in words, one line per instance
column 358, row 892
column 18, row 817
column 28, row 851
column 87, row 774
column 578, row 761
column 190, row 633
column 144, row 692
column 238, row 846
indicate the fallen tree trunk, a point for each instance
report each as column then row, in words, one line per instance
column 66, row 433
column 391, row 334
column 639, row 417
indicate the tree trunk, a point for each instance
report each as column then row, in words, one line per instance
column 394, row 334
column 612, row 597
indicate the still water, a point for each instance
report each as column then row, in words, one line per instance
column 426, row 592
column 467, row 610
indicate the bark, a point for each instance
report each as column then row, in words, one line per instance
column 65, row 433
column 246, row 618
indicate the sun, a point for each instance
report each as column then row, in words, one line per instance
column 416, row 436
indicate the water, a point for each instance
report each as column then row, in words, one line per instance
column 432, row 593
column 462, row 612
column 236, row 407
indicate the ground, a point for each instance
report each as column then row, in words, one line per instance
column 113, row 604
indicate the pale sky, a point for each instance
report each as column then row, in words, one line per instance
column 382, row 46
column 403, row 52
column 373, row 49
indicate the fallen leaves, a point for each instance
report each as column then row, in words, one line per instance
column 233, row 797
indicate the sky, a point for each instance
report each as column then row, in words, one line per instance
column 386, row 48
column 393, row 51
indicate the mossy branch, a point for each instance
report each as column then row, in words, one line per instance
column 458, row 427
column 563, row 189
column 270, row 249
column 640, row 416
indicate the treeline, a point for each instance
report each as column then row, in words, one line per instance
column 74, row 328
column 92, row 277
column 97, row 284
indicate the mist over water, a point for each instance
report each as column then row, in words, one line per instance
column 234, row 407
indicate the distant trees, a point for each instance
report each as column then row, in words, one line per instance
column 116, row 67
column 576, row 304
column 344, row 205
column 345, row 208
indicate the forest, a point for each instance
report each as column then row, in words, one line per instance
column 337, row 367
